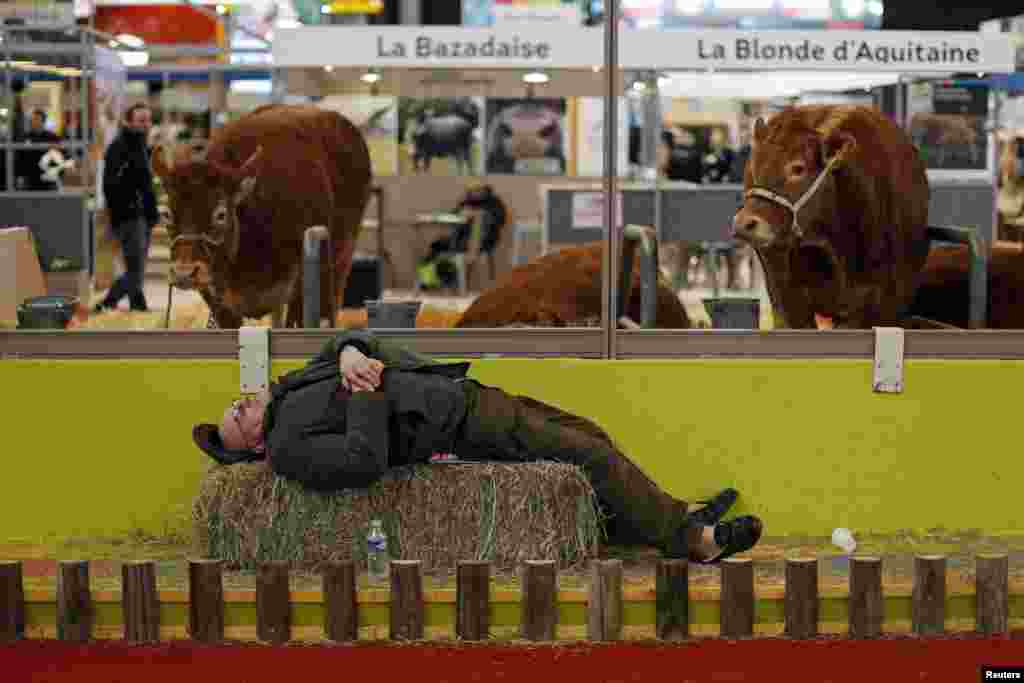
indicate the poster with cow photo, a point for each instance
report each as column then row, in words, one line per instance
column 527, row 136
column 377, row 118
column 440, row 135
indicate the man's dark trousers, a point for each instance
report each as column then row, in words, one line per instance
column 508, row 428
column 134, row 236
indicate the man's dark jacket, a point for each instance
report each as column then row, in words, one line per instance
column 128, row 180
column 328, row 439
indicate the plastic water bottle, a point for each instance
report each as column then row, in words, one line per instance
column 377, row 552
column 844, row 539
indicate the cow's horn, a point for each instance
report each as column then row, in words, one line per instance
column 244, row 171
column 249, row 167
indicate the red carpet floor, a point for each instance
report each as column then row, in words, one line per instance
column 821, row 660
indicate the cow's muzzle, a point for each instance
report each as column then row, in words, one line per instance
column 754, row 230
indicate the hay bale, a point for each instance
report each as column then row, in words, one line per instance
column 438, row 514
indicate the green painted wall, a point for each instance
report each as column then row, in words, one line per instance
column 101, row 448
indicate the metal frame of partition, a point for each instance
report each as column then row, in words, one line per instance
column 596, row 343
column 579, row 342
column 83, row 49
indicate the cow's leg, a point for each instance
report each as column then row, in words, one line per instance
column 278, row 315
column 220, row 316
column 294, row 308
column 328, row 287
column 343, row 252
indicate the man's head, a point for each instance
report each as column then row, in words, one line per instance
column 138, row 118
column 241, row 427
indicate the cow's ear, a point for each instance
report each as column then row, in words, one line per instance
column 158, row 162
column 838, row 146
column 760, row 130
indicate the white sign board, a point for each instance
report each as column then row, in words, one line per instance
column 526, row 47
column 902, row 51
column 565, row 15
column 588, row 210
column 559, row 46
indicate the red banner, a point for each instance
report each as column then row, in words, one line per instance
column 159, row 23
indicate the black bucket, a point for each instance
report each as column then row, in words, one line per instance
column 734, row 314
column 391, row 314
column 46, row 312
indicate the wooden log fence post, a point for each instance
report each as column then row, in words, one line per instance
column 407, row 609
column 473, row 600
column 737, row 598
column 672, row 600
column 74, row 602
column 12, row 602
column 140, row 604
column 273, row 603
column 341, row 611
column 801, row 603
column 206, row 601
column 604, row 606
column 867, row 607
column 928, row 606
column 992, row 577
column 539, row 606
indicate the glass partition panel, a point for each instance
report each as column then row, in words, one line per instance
column 823, row 179
column 477, row 138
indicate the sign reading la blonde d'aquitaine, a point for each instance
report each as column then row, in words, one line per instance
column 581, row 47
column 833, row 50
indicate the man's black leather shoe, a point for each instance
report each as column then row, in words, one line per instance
column 715, row 509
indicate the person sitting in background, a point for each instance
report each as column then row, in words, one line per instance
column 27, row 167
column 719, row 160
column 362, row 406
column 480, row 203
column 680, row 158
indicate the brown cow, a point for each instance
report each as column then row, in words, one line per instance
column 563, row 288
column 240, row 208
column 836, row 206
column 943, row 293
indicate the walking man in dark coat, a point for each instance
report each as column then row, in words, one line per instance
column 131, row 202
column 362, row 406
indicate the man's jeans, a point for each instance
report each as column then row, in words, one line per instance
column 134, row 236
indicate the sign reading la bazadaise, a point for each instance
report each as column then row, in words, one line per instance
column 424, row 47
column 581, row 47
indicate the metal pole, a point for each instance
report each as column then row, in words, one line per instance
column 83, row 103
column 977, row 278
column 11, row 110
column 611, row 133
column 311, row 274
column 655, row 138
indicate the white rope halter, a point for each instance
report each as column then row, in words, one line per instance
column 209, row 244
column 794, row 207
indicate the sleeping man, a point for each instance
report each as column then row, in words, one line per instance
column 362, row 406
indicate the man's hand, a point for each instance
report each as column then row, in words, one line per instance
column 358, row 372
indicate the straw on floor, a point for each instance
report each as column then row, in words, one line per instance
column 193, row 316
column 438, row 514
